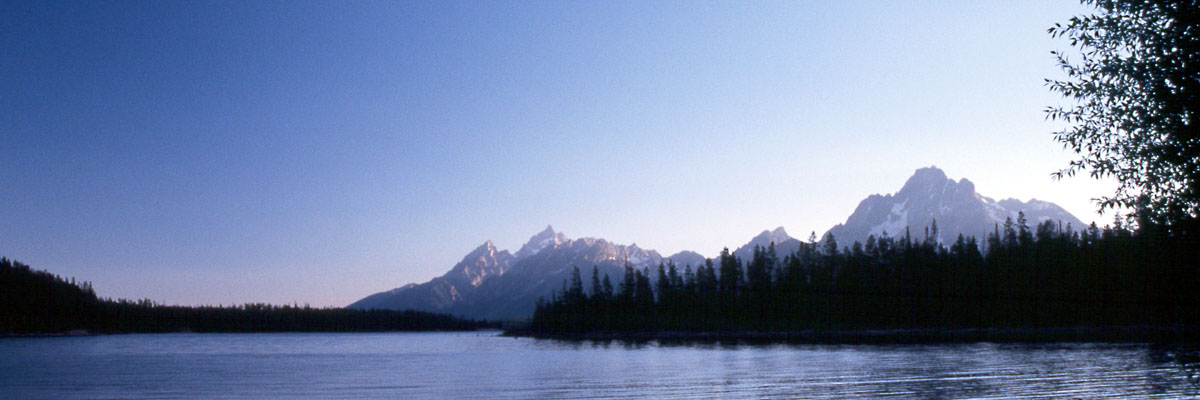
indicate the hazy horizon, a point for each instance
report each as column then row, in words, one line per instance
column 221, row 153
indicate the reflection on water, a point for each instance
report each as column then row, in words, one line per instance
column 1186, row 358
column 483, row 365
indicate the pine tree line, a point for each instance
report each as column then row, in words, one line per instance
column 33, row 301
column 1044, row 276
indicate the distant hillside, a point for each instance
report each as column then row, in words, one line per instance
column 784, row 244
column 33, row 301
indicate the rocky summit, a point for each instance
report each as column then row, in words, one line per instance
column 930, row 196
column 503, row 286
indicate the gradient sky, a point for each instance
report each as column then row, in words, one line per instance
column 228, row 152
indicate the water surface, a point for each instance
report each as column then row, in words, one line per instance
column 484, row 365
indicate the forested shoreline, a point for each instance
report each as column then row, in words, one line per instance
column 1042, row 277
column 1130, row 115
column 38, row 302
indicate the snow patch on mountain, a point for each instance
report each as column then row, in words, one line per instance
column 545, row 239
column 896, row 222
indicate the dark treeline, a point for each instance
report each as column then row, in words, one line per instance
column 1044, row 276
column 33, row 301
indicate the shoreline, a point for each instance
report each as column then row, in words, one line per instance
column 1101, row 334
column 84, row 332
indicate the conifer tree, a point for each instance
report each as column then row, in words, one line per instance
column 597, row 290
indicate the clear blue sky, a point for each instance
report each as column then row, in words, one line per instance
column 222, row 152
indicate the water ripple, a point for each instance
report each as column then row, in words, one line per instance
column 475, row 365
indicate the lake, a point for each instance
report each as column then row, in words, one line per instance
column 485, row 365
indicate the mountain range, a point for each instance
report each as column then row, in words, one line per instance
column 495, row 284
column 491, row 283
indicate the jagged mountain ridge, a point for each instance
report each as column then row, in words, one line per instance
column 537, row 275
column 928, row 196
column 493, row 284
column 536, row 270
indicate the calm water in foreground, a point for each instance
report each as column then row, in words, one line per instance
column 484, row 365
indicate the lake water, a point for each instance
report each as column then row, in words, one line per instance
column 484, row 365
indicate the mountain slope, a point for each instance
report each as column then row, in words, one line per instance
column 440, row 293
column 928, row 196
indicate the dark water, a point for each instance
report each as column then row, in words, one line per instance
column 483, row 365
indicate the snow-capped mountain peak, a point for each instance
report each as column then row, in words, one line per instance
column 928, row 196
column 546, row 238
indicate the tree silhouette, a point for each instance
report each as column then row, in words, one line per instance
column 1047, row 275
column 1135, row 85
column 34, row 301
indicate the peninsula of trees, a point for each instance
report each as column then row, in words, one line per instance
column 1030, row 277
